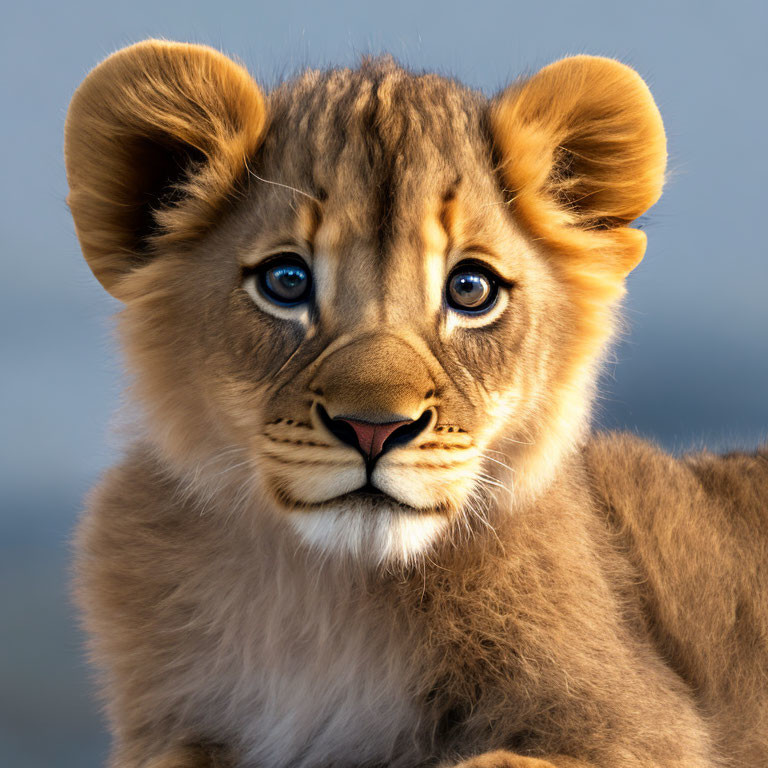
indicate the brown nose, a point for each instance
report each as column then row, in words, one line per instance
column 373, row 438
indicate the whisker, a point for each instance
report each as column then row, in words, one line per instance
column 519, row 442
column 284, row 186
column 500, row 463
column 490, row 481
column 231, row 468
column 473, row 505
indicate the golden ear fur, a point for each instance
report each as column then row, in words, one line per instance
column 156, row 136
column 583, row 154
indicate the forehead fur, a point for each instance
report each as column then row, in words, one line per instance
column 378, row 130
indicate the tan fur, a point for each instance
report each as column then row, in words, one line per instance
column 523, row 595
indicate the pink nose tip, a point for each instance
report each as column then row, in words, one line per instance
column 371, row 437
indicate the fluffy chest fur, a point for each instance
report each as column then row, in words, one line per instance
column 325, row 679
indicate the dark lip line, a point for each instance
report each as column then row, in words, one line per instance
column 367, row 491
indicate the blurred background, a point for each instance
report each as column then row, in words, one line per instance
column 691, row 369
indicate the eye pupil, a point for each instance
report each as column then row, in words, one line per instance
column 471, row 289
column 288, row 278
column 285, row 280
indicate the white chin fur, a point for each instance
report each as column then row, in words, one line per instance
column 375, row 537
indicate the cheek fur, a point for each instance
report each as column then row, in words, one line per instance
column 257, row 345
column 493, row 353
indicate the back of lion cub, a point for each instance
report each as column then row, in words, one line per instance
column 363, row 522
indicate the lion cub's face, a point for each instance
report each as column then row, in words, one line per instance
column 384, row 321
column 364, row 333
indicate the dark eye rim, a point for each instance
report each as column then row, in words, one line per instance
column 475, row 267
column 284, row 258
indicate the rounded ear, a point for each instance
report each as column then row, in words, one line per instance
column 156, row 138
column 583, row 153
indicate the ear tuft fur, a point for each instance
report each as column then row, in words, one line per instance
column 156, row 137
column 583, row 154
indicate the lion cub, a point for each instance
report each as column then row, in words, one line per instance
column 364, row 522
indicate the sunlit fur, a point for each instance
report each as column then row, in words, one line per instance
column 520, row 594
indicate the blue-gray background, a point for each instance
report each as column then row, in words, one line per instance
column 692, row 368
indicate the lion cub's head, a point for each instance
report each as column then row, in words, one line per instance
column 374, row 299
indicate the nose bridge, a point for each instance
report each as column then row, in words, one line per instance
column 378, row 378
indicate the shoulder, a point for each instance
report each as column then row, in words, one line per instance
column 622, row 466
column 638, row 485
column 619, row 463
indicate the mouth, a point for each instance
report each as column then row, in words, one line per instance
column 371, row 495
column 368, row 496
column 368, row 491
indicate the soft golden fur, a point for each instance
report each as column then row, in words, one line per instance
column 519, row 593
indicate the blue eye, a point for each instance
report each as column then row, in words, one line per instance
column 285, row 279
column 471, row 288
